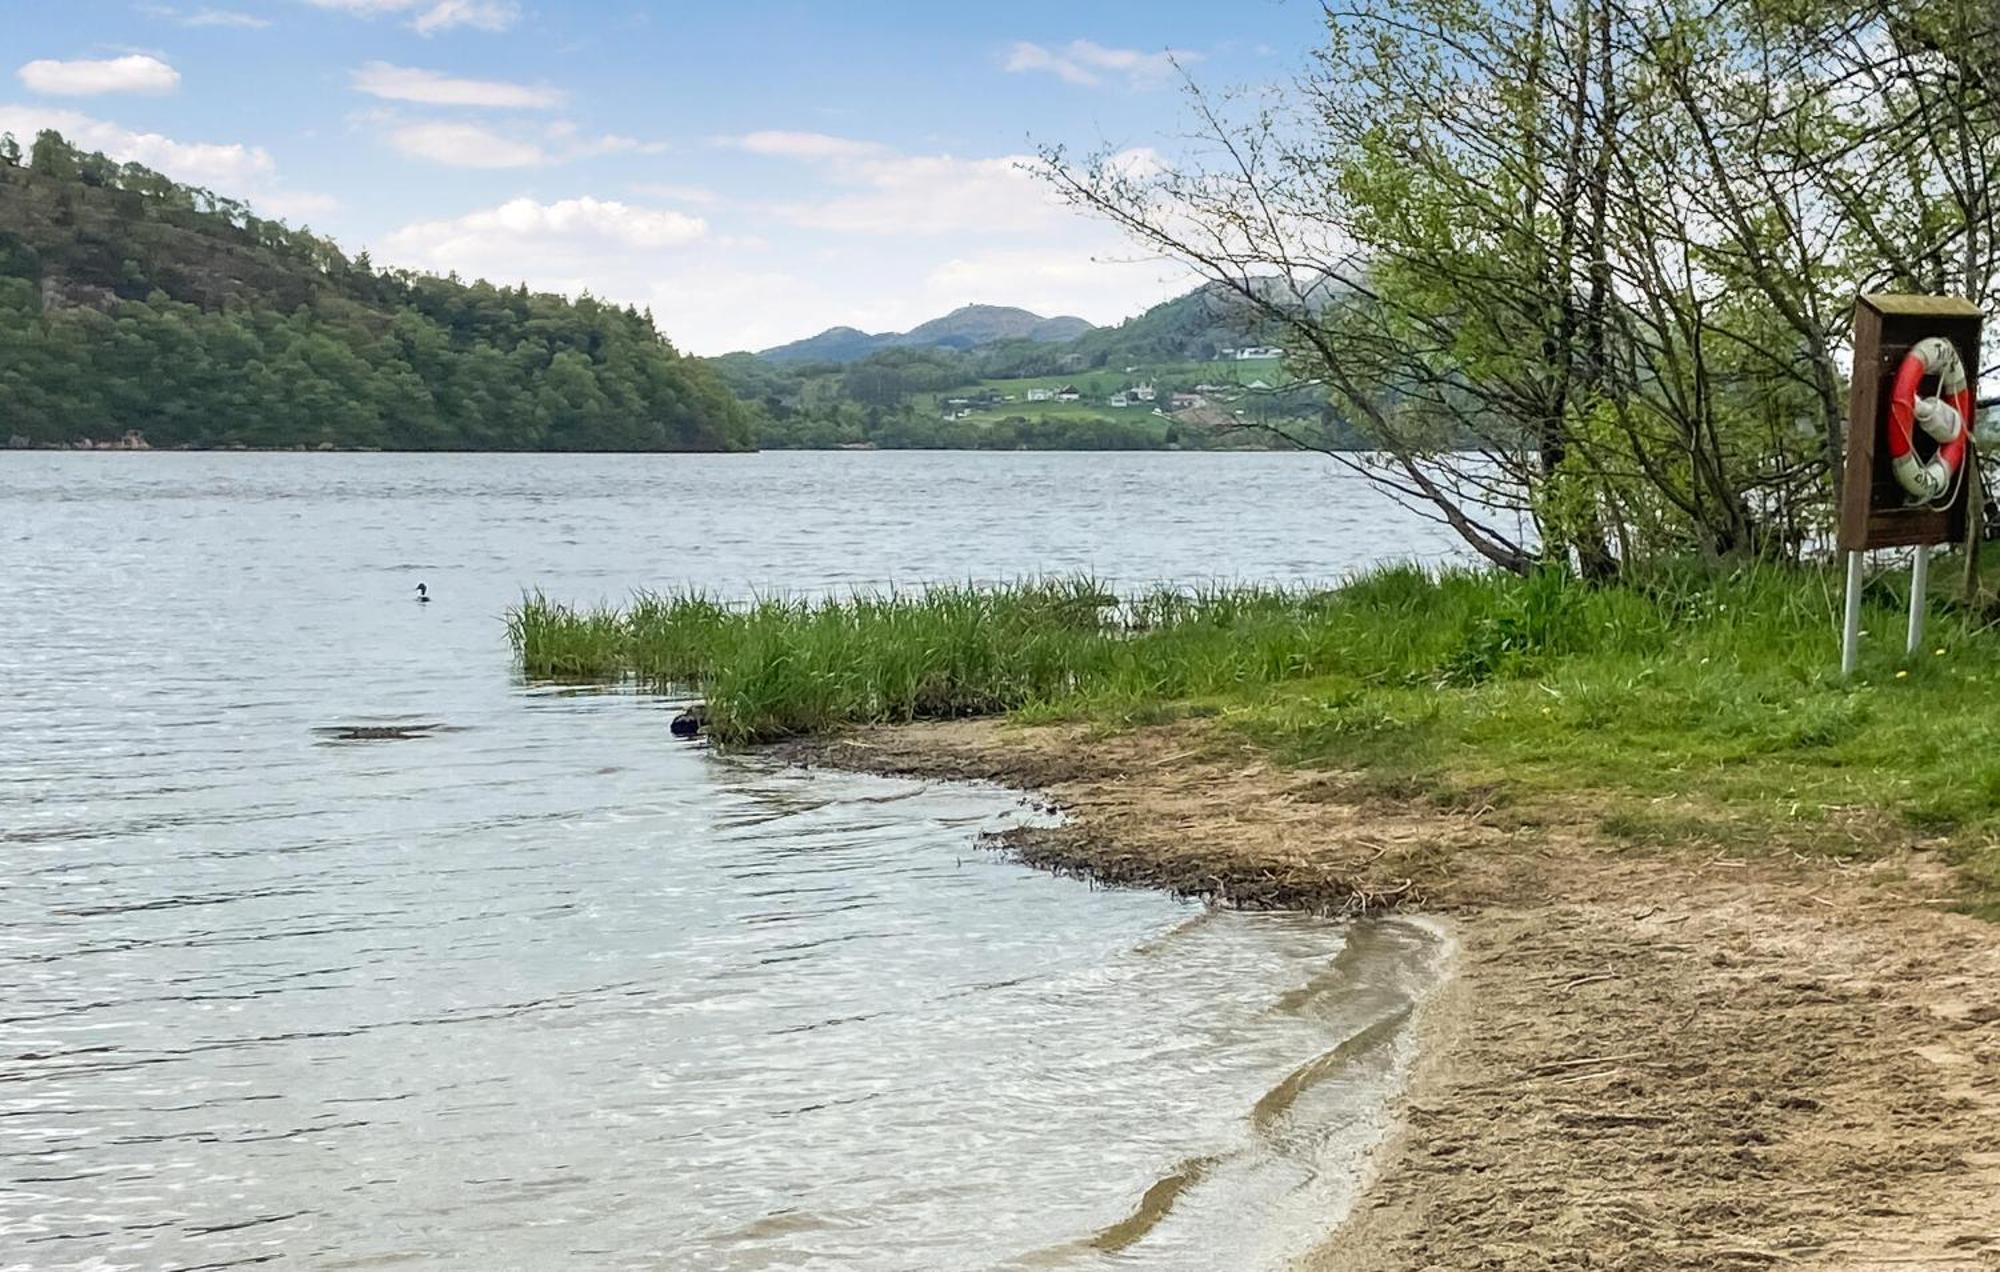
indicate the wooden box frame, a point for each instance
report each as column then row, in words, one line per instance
column 1874, row 510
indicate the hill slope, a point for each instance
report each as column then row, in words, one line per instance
column 128, row 302
column 967, row 327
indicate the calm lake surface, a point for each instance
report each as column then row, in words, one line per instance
column 551, row 990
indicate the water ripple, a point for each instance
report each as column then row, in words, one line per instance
column 543, row 988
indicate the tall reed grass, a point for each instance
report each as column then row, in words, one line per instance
column 783, row 666
column 1685, row 686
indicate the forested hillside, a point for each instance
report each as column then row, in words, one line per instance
column 131, row 302
column 1173, row 378
column 967, row 327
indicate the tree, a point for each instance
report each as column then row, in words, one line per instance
column 54, row 157
column 1583, row 272
column 232, row 329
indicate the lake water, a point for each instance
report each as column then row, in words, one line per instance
column 547, row 989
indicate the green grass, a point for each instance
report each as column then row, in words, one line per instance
column 1689, row 707
column 1132, row 417
column 1101, row 382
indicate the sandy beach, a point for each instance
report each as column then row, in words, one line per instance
column 1645, row 1057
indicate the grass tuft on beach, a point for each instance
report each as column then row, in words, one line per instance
column 1689, row 706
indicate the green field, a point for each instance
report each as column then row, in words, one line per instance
column 1102, row 382
column 1098, row 385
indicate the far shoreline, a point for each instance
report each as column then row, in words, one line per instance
column 115, row 449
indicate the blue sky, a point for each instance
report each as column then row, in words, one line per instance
column 753, row 171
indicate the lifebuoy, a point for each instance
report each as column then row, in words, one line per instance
column 1946, row 419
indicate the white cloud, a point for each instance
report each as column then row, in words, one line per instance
column 229, row 167
column 459, row 144
column 433, row 88
column 711, row 307
column 699, row 195
column 225, row 18
column 894, row 194
column 296, row 206
column 936, row 194
column 611, row 249
column 207, row 17
column 1087, row 63
column 577, row 146
column 482, row 15
column 428, row 17
column 1101, row 285
column 805, row 145
column 614, row 144
column 525, row 230
column 869, row 238
column 466, row 146
column 134, row 73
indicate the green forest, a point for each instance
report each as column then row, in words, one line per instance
column 132, row 303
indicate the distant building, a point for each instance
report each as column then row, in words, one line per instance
column 1252, row 353
column 1211, row 388
column 1257, row 386
column 1040, row 395
column 1141, row 393
column 1068, row 393
column 1186, row 401
column 1119, row 399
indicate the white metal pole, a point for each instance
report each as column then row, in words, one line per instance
column 1920, row 586
column 1850, row 628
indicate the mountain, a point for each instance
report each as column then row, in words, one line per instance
column 1195, row 326
column 835, row 344
column 968, row 327
column 132, row 304
column 971, row 326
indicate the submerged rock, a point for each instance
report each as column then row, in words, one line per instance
column 378, row 732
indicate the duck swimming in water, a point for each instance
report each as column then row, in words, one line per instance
column 423, row 595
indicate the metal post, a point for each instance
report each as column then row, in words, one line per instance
column 1850, row 629
column 1920, row 586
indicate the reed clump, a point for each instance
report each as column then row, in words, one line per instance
column 1710, row 698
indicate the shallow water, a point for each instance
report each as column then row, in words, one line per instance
column 545, row 989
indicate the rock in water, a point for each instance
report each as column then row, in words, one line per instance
column 691, row 722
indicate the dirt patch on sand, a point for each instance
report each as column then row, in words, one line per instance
column 1648, row 1058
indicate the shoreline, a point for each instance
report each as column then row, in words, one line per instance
column 115, row 448
column 1643, row 1057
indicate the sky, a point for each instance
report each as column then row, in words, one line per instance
column 753, row 172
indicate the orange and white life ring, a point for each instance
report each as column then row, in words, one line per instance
column 1946, row 419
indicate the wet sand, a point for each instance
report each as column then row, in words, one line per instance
column 1646, row 1057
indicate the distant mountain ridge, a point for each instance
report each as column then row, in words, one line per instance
column 968, row 327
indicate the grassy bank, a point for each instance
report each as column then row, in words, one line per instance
column 1690, row 707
